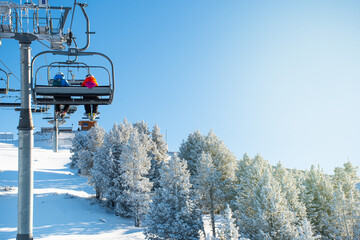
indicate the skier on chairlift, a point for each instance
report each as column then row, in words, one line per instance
column 90, row 82
column 60, row 81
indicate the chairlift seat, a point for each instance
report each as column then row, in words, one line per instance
column 72, row 91
column 48, row 94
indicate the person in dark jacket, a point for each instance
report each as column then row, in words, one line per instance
column 60, row 81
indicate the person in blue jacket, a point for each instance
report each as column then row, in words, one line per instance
column 60, row 81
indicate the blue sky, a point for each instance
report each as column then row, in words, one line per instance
column 279, row 78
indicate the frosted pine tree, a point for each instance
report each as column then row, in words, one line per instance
column 136, row 186
column 173, row 213
column 109, row 160
column 272, row 216
column 159, row 154
column 261, row 208
column 207, row 185
column 289, row 187
column 142, row 127
column 319, row 194
column 223, row 159
column 228, row 230
column 346, row 201
column 305, row 231
column 248, row 175
column 191, row 149
column 102, row 172
column 94, row 140
column 78, row 146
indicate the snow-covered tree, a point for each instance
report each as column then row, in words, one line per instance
column 94, row 140
column 346, row 201
column 142, row 127
column 272, row 216
column 159, row 154
column 137, row 187
column 208, row 186
column 102, row 172
column 305, row 231
column 223, row 159
column 78, row 146
column 248, row 174
column 228, row 230
column 289, row 187
column 107, row 167
column 261, row 208
column 191, row 149
column 173, row 213
column 319, row 199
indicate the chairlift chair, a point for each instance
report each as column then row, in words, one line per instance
column 74, row 95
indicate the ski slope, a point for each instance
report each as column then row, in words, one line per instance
column 64, row 204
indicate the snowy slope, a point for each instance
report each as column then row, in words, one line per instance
column 64, row 207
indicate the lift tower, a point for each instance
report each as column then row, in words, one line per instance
column 26, row 23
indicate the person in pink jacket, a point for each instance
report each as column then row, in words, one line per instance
column 90, row 82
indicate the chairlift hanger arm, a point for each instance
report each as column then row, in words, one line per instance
column 6, row 90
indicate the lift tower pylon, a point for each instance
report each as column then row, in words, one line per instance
column 26, row 29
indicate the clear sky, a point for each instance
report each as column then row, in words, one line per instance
column 279, row 78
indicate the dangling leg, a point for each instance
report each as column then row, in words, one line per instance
column 65, row 110
column 87, row 110
column 57, row 110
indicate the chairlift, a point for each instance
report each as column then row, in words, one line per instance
column 45, row 94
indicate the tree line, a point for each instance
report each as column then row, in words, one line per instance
column 131, row 172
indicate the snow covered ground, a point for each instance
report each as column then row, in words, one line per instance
column 64, row 206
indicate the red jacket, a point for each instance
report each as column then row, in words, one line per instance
column 89, row 82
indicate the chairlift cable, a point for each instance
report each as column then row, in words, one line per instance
column 9, row 70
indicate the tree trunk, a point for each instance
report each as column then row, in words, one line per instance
column 97, row 193
column 212, row 214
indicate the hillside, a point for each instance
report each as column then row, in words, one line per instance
column 64, row 207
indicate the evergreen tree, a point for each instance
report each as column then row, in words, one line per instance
column 191, row 149
column 102, row 171
column 94, row 140
column 159, row 154
column 346, row 201
column 173, row 213
column 289, row 187
column 107, row 161
column 137, row 187
column 305, row 231
column 272, row 216
column 142, row 127
column 223, row 159
column 261, row 208
column 228, row 231
column 78, row 143
column 319, row 199
column 248, row 175
column 208, row 187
